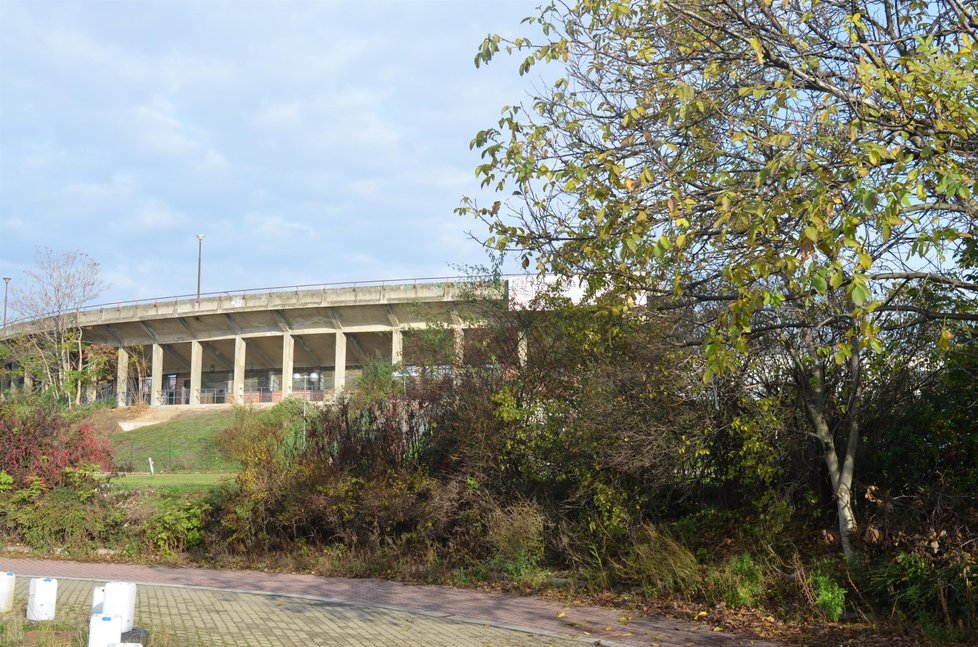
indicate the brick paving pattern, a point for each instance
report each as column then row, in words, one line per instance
column 179, row 617
column 212, row 607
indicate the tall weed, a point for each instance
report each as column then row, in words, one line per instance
column 660, row 565
column 516, row 534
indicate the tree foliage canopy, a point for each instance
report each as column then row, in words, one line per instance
column 759, row 155
column 797, row 179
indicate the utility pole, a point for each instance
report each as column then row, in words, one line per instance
column 6, row 285
column 200, row 245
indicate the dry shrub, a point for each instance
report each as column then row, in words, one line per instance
column 659, row 564
column 516, row 534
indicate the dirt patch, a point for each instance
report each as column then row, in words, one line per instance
column 109, row 421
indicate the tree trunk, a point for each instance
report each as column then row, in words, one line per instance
column 840, row 474
column 81, row 365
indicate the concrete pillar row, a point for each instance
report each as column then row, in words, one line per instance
column 339, row 379
column 196, row 362
column 458, row 356
column 122, row 378
column 156, row 377
column 288, row 364
column 397, row 346
column 237, row 386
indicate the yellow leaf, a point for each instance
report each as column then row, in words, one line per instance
column 945, row 340
column 561, row 615
column 756, row 45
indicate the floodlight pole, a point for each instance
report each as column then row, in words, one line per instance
column 200, row 245
column 6, row 285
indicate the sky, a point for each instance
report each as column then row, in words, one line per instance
column 309, row 142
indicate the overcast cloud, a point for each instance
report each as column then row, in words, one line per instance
column 309, row 141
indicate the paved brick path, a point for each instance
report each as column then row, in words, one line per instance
column 200, row 605
column 191, row 617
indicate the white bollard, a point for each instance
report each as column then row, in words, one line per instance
column 98, row 599
column 7, row 582
column 120, row 600
column 104, row 630
column 42, row 598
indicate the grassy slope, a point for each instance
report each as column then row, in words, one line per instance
column 179, row 485
column 187, row 443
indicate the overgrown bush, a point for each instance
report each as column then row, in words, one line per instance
column 516, row 534
column 830, row 598
column 660, row 565
column 178, row 526
column 363, row 477
column 38, row 441
column 941, row 599
column 740, row 582
column 64, row 518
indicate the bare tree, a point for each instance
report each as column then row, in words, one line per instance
column 59, row 284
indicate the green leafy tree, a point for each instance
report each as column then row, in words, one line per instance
column 796, row 178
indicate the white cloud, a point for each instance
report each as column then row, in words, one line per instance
column 96, row 192
column 156, row 215
column 281, row 116
column 156, row 128
column 14, row 226
column 264, row 226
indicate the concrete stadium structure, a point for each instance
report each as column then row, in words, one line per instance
column 270, row 344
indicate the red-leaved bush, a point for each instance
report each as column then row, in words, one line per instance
column 37, row 441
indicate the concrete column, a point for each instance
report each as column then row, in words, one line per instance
column 288, row 364
column 156, row 377
column 339, row 379
column 397, row 346
column 522, row 349
column 458, row 337
column 237, row 386
column 122, row 378
column 196, row 361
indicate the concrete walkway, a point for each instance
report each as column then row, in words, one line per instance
column 192, row 606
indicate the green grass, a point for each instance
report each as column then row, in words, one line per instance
column 185, row 444
column 179, row 484
column 61, row 632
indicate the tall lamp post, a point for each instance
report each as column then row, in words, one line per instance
column 6, row 285
column 200, row 246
